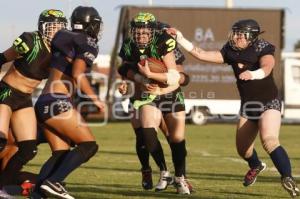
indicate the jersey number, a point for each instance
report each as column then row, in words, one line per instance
column 20, row 46
column 171, row 44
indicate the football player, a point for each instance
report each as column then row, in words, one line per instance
column 153, row 102
column 30, row 54
column 141, row 150
column 252, row 60
column 73, row 54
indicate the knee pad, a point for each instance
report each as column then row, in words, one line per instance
column 3, row 142
column 27, row 150
column 150, row 139
column 270, row 143
column 87, row 149
column 178, row 151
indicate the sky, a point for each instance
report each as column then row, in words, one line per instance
column 18, row 16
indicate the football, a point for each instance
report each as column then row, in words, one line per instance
column 155, row 65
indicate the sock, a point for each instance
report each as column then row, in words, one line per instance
column 50, row 166
column 253, row 161
column 154, row 147
column 82, row 153
column 141, row 149
column 178, row 157
column 27, row 150
column 281, row 161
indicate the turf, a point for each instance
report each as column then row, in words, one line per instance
column 213, row 165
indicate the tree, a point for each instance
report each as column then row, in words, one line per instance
column 297, row 46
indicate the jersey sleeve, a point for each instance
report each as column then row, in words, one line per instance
column 24, row 43
column 87, row 51
column 264, row 48
column 224, row 53
column 179, row 56
column 125, row 50
column 166, row 44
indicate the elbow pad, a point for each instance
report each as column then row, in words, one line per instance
column 173, row 77
column 186, row 80
column 3, row 59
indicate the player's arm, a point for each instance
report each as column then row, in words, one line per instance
column 126, row 71
column 78, row 73
column 20, row 47
column 267, row 63
column 203, row 55
column 184, row 78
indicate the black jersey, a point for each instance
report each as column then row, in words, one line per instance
column 68, row 44
column 161, row 45
column 262, row 90
column 35, row 56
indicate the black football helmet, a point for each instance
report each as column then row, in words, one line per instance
column 139, row 24
column 51, row 21
column 87, row 19
column 249, row 27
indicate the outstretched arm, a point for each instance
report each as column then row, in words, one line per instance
column 203, row 55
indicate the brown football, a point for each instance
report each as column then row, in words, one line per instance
column 156, row 66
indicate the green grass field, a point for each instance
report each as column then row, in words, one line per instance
column 213, row 165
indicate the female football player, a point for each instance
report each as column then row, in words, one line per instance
column 141, row 150
column 30, row 54
column 73, row 53
column 145, row 42
column 252, row 60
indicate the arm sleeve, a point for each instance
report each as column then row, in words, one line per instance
column 24, row 43
column 87, row 53
column 265, row 48
column 223, row 52
column 179, row 56
column 166, row 44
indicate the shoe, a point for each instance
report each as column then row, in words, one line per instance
column 55, row 189
column 181, row 185
column 164, row 180
column 27, row 188
column 5, row 195
column 147, row 182
column 190, row 186
column 289, row 184
column 252, row 174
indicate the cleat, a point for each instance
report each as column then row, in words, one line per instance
column 181, row 185
column 147, row 182
column 190, row 186
column 164, row 180
column 289, row 184
column 252, row 174
column 55, row 189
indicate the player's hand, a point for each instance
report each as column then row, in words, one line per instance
column 123, row 88
column 150, row 87
column 246, row 75
column 100, row 105
column 172, row 32
column 145, row 70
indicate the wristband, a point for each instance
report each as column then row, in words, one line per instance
column 186, row 44
column 257, row 74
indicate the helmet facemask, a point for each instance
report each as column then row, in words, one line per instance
column 49, row 29
column 243, row 34
column 143, row 28
column 142, row 36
